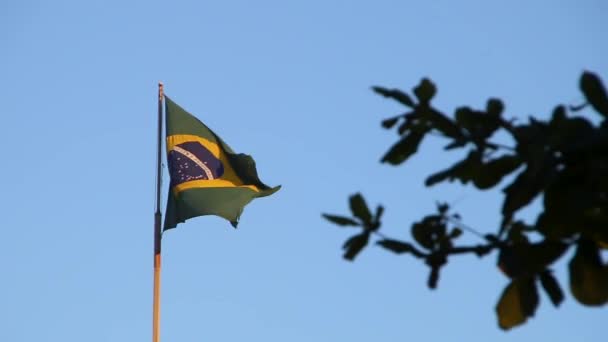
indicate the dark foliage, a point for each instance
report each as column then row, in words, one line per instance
column 563, row 159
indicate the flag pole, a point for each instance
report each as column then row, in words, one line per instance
column 157, row 224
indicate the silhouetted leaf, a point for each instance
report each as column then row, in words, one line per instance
column 494, row 107
column 429, row 231
column 464, row 170
column 425, row 90
column 403, row 127
column 519, row 193
column 340, row 220
column 509, row 310
column 529, row 295
column 517, row 302
column 422, row 235
column 525, row 258
column 531, row 139
column 565, row 133
column 542, row 254
column 551, row 224
column 576, row 108
column 390, row 122
column 359, row 208
column 552, row 287
column 403, row 149
column 456, row 232
column 442, row 123
column 441, row 175
column 480, row 125
column 493, row 171
column 509, row 262
column 595, row 92
column 399, row 247
column 526, row 186
column 570, row 199
column 442, row 208
column 354, row 245
column 455, row 144
column 559, row 113
column 491, row 238
column 379, row 212
column 395, row 94
column 588, row 276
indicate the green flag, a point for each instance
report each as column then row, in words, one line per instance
column 207, row 177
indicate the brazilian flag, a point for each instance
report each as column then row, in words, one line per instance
column 207, row 177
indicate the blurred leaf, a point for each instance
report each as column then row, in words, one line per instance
column 595, row 92
column 466, row 117
column 464, row 170
column 559, row 113
column 570, row 201
column 456, row 232
column 542, row 254
column 494, row 171
column 508, row 309
column 442, row 123
column 552, row 288
column 443, row 208
column 403, row 127
column 354, row 245
column 425, row 91
column 395, row 94
column 390, row 122
column 494, row 107
column 479, row 125
column 529, row 258
column 509, row 262
column 422, row 235
column 576, row 108
column 429, row 231
column 340, row 220
column 360, row 209
column 399, row 247
column 588, row 276
column 455, row 144
column 518, row 301
column 516, row 233
column 526, row 186
column 531, row 140
column 403, row 149
column 551, row 224
column 528, row 295
column 379, row 212
column 491, row 238
column 565, row 132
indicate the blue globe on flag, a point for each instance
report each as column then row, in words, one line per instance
column 191, row 161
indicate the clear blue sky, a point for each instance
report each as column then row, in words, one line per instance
column 289, row 83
